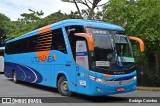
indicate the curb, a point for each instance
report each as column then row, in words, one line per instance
column 149, row 88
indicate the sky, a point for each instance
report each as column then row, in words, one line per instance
column 13, row 8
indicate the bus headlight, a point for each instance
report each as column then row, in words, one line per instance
column 91, row 77
column 135, row 78
column 99, row 80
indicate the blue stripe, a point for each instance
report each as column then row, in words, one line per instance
column 30, row 74
column 81, row 53
column 23, row 72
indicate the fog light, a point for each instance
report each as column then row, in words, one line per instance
column 99, row 89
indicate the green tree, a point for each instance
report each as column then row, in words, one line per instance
column 21, row 27
column 91, row 5
column 4, row 28
column 27, row 23
column 31, row 17
column 55, row 17
column 139, row 17
column 4, row 24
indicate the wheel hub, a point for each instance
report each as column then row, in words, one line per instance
column 64, row 86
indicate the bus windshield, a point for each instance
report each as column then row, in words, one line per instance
column 122, row 45
column 112, row 51
column 103, row 46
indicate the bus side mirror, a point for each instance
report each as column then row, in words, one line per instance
column 141, row 43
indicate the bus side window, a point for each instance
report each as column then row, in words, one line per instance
column 58, row 42
column 21, row 46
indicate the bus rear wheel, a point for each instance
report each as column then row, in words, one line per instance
column 15, row 77
column 63, row 86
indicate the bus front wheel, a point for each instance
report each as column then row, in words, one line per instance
column 15, row 77
column 63, row 86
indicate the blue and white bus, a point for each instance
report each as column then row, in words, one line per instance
column 82, row 56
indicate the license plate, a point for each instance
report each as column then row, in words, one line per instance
column 120, row 89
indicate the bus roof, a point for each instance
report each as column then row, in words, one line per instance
column 68, row 22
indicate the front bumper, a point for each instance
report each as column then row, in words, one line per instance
column 98, row 89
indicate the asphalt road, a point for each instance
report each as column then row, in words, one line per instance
column 22, row 89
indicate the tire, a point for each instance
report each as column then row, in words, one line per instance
column 15, row 77
column 63, row 86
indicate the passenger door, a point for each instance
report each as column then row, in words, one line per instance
column 83, row 65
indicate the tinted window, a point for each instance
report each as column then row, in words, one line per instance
column 58, row 41
column 52, row 40
column 21, row 46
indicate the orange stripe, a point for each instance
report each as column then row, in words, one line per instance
column 44, row 35
column 44, row 38
column 40, row 44
column 43, row 47
column 43, row 50
column 41, row 54
column 45, row 29
column 47, row 41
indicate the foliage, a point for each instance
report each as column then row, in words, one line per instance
column 27, row 23
column 4, row 28
column 139, row 17
column 33, row 21
column 31, row 17
column 52, row 18
column 4, row 24
column 148, row 75
column 91, row 5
